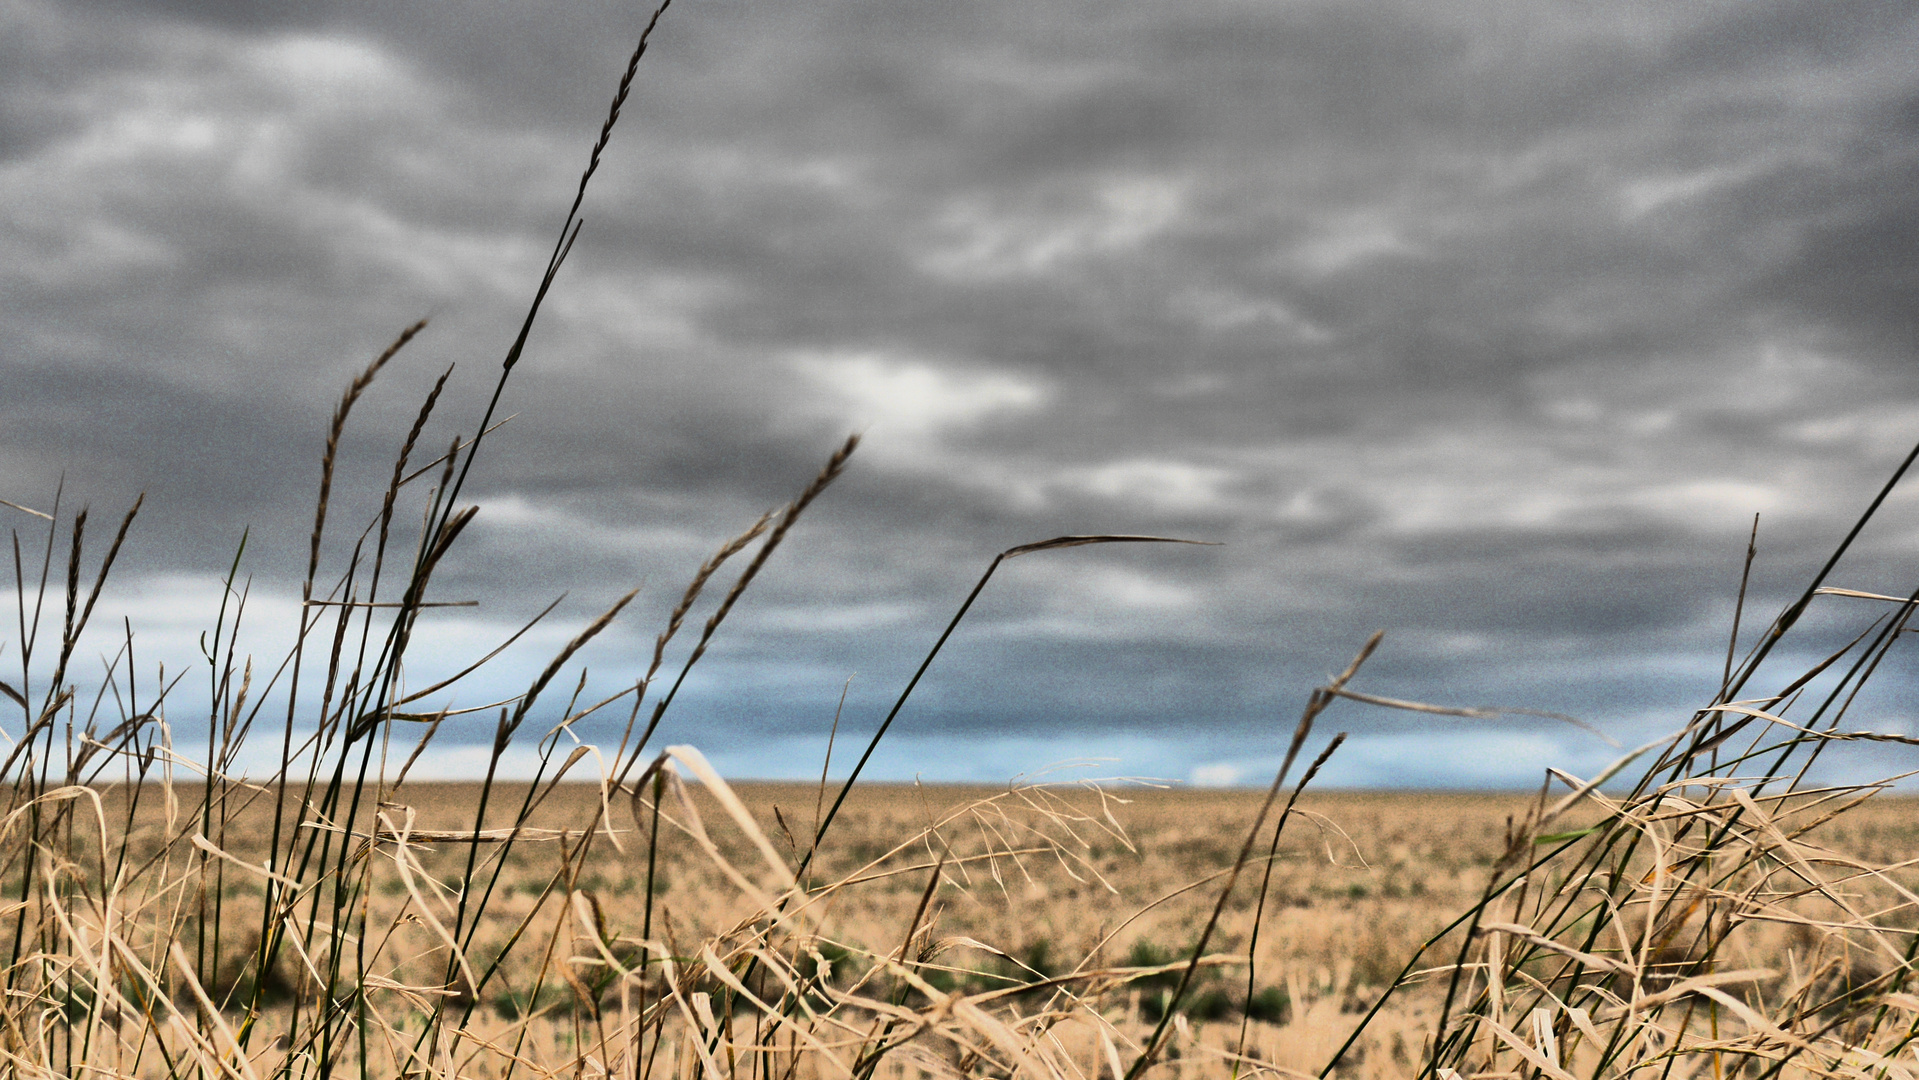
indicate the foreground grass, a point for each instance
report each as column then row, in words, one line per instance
column 1041, row 929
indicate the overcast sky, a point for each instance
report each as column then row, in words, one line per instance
column 1488, row 325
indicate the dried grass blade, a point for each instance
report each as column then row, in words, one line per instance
column 234, row 1059
column 1524, row 1049
column 719, row 971
column 1830, row 590
column 200, row 841
column 696, row 829
column 722, row 793
column 1534, row 938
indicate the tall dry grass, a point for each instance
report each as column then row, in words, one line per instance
column 1681, row 914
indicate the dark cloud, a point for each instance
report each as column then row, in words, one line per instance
column 1490, row 326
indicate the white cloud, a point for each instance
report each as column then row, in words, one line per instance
column 1163, row 484
column 1709, row 499
column 1346, row 240
column 329, row 66
column 168, row 612
column 977, row 240
column 1643, row 196
column 1217, row 774
column 1223, row 311
column 1879, row 430
column 836, row 618
column 635, row 309
column 918, row 399
column 1122, row 587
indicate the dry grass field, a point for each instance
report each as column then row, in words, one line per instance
column 1068, row 906
column 1097, row 875
column 1699, row 910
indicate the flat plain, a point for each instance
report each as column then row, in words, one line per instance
column 1034, row 882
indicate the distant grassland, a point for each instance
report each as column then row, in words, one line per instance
column 1361, row 877
column 1055, row 878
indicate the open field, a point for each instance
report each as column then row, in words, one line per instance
column 1034, row 883
column 1361, row 878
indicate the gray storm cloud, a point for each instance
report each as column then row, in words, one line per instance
column 1489, row 325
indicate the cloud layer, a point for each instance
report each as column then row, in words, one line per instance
column 1490, row 325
